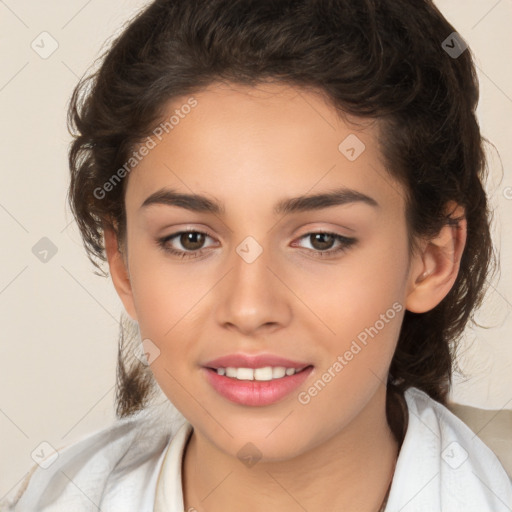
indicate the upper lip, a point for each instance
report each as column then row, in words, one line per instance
column 253, row 361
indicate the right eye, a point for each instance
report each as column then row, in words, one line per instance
column 192, row 242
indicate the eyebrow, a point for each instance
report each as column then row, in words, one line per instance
column 200, row 203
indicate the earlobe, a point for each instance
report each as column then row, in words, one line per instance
column 119, row 271
column 435, row 270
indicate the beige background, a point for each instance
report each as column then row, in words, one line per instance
column 60, row 321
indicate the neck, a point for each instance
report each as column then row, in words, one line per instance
column 349, row 471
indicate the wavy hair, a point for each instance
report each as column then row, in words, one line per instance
column 382, row 60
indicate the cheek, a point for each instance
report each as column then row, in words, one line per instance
column 365, row 288
column 163, row 293
column 365, row 309
column 167, row 300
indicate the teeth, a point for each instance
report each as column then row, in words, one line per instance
column 265, row 373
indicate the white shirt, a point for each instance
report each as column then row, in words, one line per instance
column 135, row 464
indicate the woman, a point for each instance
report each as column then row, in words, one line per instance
column 289, row 196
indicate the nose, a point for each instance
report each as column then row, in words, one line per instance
column 253, row 297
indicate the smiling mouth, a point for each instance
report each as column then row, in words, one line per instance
column 259, row 389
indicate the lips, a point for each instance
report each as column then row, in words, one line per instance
column 254, row 361
column 255, row 393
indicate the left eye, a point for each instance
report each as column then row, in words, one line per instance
column 322, row 242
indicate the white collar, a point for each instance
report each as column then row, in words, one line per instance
column 169, row 490
column 442, row 465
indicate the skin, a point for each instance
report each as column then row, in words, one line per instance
column 249, row 148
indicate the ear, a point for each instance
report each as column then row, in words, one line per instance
column 435, row 269
column 117, row 262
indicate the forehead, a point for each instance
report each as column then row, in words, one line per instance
column 259, row 140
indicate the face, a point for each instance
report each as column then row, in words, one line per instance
column 321, row 283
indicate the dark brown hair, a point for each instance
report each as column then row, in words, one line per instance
column 377, row 59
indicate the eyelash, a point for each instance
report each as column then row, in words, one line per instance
column 346, row 243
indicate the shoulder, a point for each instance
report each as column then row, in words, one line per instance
column 117, row 465
column 443, row 464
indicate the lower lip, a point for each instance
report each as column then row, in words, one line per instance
column 255, row 392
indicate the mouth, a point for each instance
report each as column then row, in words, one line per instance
column 256, row 386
